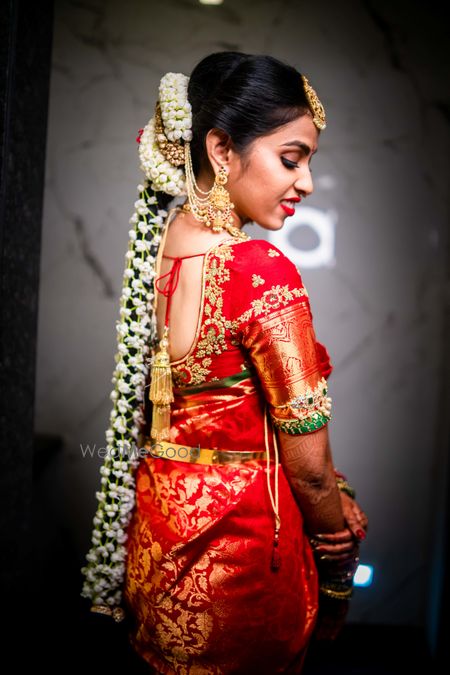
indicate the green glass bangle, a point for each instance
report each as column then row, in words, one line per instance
column 313, row 422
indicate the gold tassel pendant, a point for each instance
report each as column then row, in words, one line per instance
column 161, row 391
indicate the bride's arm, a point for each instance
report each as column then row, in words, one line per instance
column 308, row 465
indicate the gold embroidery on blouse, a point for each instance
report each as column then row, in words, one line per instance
column 257, row 280
column 275, row 297
column 210, row 335
column 272, row 253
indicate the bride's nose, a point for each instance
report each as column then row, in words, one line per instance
column 304, row 182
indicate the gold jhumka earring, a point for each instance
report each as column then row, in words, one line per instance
column 213, row 209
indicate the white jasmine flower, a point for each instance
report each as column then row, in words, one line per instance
column 143, row 227
column 119, row 421
column 154, row 165
column 134, row 342
column 122, row 368
column 140, row 245
column 135, row 379
column 121, row 328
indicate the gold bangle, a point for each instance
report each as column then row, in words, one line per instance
column 116, row 613
column 337, row 591
column 343, row 486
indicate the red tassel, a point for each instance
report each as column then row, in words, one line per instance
column 276, row 559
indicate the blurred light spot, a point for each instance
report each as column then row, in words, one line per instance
column 322, row 223
column 303, row 238
column 363, row 575
column 211, row 2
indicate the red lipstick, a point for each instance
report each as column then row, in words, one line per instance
column 287, row 204
column 288, row 210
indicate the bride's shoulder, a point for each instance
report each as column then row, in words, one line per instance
column 259, row 251
column 258, row 262
column 185, row 237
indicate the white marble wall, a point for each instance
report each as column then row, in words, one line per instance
column 382, row 174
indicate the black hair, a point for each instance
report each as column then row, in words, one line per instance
column 244, row 95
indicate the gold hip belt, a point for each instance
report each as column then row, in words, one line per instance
column 198, row 455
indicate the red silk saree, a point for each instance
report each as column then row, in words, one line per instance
column 200, row 587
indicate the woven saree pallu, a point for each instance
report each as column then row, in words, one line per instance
column 208, row 522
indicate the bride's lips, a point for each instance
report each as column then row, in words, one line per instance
column 289, row 204
column 289, row 210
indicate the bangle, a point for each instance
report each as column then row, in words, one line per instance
column 337, row 582
column 117, row 613
column 342, row 484
column 339, row 591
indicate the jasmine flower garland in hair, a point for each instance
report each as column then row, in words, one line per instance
column 136, row 338
column 176, row 111
column 176, row 114
column 161, row 174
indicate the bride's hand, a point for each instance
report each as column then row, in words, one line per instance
column 334, row 552
column 355, row 518
column 343, row 544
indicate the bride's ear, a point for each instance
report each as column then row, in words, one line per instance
column 219, row 148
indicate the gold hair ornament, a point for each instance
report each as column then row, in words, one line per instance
column 173, row 151
column 315, row 105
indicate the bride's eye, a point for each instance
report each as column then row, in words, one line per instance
column 289, row 164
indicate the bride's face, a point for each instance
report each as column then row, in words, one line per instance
column 276, row 170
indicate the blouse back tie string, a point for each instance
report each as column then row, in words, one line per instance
column 172, row 282
column 161, row 384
